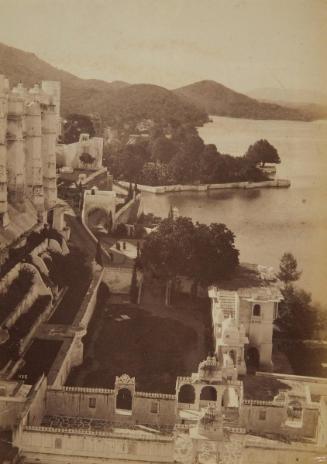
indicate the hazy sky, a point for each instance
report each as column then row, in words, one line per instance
column 244, row 44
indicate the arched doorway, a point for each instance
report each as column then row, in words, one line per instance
column 99, row 220
column 124, row 399
column 252, row 359
column 208, row 393
column 186, row 394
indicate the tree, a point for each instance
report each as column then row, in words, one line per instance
column 163, row 149
column 297, row 317
column 75, row 125
column 288, row 271
column 86, row 158
column 262, row 152
column 202, row 253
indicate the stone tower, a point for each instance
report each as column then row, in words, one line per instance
column 15, row 151
column 34, row 168
column 4, row 220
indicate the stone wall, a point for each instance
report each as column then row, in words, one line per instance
column 57, row 445
column 204, row 187
column 266, row 417
column 148, row 408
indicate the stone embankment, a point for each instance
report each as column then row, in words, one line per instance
column 276, row 183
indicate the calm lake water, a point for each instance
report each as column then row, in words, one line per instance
column 268, row 222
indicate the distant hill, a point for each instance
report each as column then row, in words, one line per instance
column 120, row 103
column 292, row 96
column 216, row 99
column 117, row 102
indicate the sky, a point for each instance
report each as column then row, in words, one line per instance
column 243, row 44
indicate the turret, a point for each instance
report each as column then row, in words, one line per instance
column 34, row 169
column 49, row 139
column 15, row 151
column 3, row 153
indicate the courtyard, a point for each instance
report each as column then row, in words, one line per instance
column 153, row 343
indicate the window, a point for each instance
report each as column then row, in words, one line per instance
column 58, row 443
column 155, row 407
column 92, row 402
column 262, row 415
column 256, row 310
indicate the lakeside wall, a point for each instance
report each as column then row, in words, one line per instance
column 276, row 183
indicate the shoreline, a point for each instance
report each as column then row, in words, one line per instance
column 161, row 189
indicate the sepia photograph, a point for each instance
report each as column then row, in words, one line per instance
column 163, row 231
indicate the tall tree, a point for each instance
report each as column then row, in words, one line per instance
column 288, row 271
column 262, row 152
column 200, row 252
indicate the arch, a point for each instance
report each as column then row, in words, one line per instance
column 294, row 410
column 99, row 217
column 256, row 311
column 232, row 354
column 186, row 394
column 124, row 399
column 208, row 393
column 252, row 359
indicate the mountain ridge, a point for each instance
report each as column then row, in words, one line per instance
column 119, row 102
column 219, row 100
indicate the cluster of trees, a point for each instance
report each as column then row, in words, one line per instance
column 298, row 318
column 182, row 157
column 75, row 125
column 198, row 251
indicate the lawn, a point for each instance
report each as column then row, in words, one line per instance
column 128, row 339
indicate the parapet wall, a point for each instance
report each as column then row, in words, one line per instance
column 56, row 445
column 277, row 183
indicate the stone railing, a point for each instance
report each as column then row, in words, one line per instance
column 95, row 433
column 239, row 430
column 204, row 187
column 262, row 403
column 87, row 390
column 159, row 396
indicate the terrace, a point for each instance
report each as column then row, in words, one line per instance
column 155, row 345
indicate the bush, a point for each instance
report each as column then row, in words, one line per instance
column 121, row 230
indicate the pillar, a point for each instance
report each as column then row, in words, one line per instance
column 4, row 220
column 15, row 151
column 34, row 170
column 49, row 140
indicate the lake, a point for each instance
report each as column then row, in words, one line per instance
column 268, row 222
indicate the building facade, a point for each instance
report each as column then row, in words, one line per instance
column 29, row 127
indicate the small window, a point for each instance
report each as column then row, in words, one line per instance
column 58, row 443
column 256, row 310
column 92, row 402
column 262, row 415
column 155, row 407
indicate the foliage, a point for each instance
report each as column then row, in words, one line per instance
column 200, row 252
column 288, row 271
column 121, row 230
column 86, row 158
column 262, row 152
column 180, row 156
column 298, row 318
column 75, row 125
